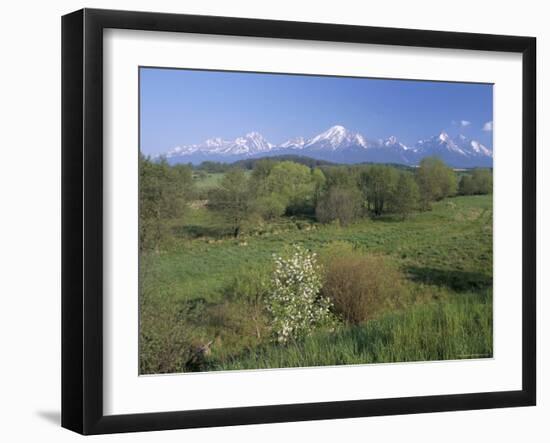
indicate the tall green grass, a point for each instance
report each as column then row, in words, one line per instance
column 459, row 329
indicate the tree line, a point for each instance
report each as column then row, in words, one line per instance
column 275, row 188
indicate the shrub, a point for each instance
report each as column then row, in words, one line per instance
column 249, row 289
column 295, row 303
column 335, row 249
column 165, row 342
column 234, row 325
column 360, row 287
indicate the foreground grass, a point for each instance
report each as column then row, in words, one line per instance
column 434, row 331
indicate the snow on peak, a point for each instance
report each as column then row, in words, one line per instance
column 362, row 141
column 294, row 143
column 336, row 132
column 251, row 143
column 343, row 144
column 337, row 129
column 392, row 140
column 480, row 149
column 451, row 149
column 216, row 141
column 335, row 137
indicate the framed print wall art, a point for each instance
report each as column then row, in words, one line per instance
column 269, row 221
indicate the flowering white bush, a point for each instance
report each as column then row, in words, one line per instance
column 295, row 303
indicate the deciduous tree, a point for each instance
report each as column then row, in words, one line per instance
column 338, row 203
column 405, row 197
column 232, row 198
column 435, row 181
column 379, row 183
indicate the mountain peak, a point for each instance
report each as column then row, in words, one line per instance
column 456, row 151
column 335, row 131
column 296, row 143
column 335, row 137
column 337, row 128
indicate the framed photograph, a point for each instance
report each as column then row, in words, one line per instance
column 268, row 221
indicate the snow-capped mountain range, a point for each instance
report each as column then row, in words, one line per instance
column 338, row 144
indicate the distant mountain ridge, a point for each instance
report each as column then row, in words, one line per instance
column 339, row 145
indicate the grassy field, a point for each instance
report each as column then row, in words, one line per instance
column 189, row 289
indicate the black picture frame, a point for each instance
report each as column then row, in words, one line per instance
column 82, row 218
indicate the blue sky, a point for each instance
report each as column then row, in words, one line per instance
column 180, row 107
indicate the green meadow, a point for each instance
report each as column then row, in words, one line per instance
column 205, row 286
